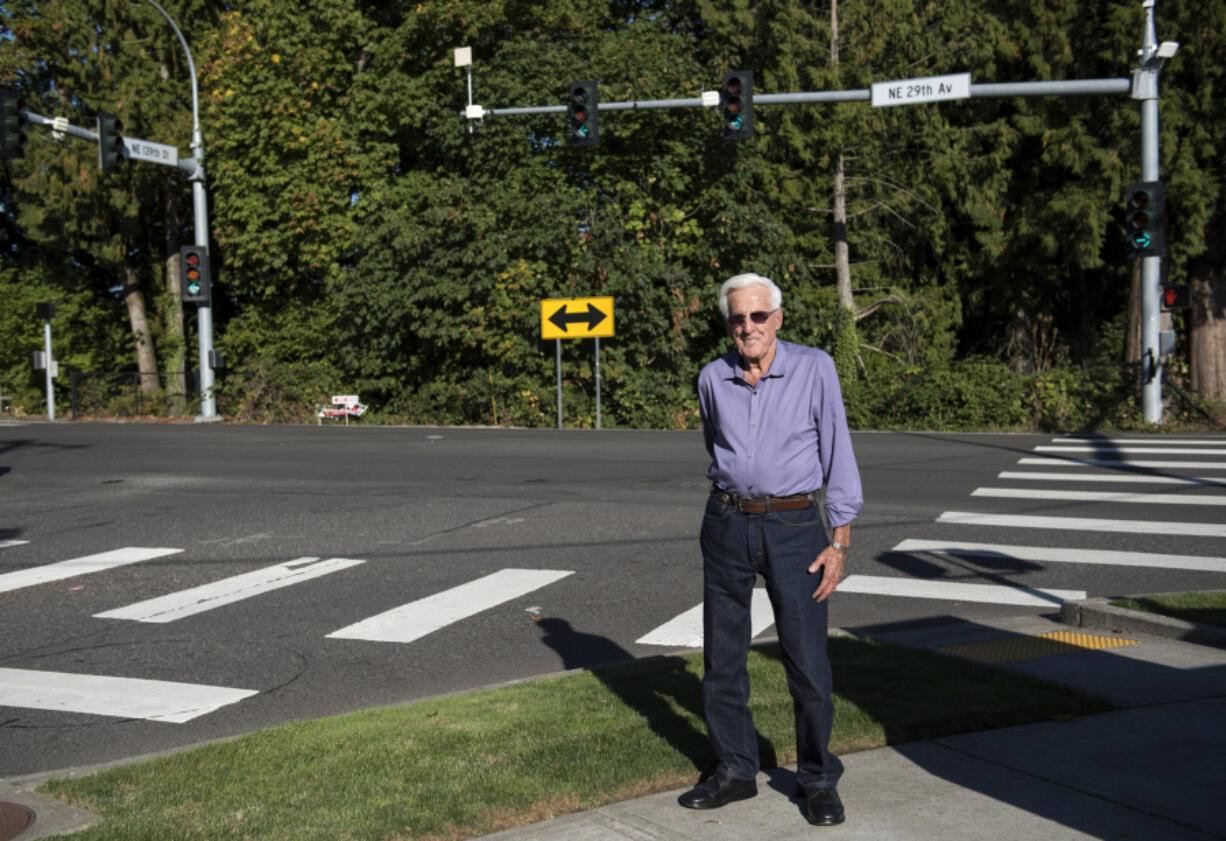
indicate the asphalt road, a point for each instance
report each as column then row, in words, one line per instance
column 553, row 550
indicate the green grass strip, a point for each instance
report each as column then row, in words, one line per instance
column 1208, row 607
column 469, row 765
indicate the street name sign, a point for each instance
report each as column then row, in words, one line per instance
column 576, row 318
column 926, row 89
column 147, row 150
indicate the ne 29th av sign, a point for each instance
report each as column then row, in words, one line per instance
column 927, row 89
column 576, row 318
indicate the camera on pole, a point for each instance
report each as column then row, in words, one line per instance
column 194, row 275
column 1144, row 219
column 736, row 102
column 12, row 124
column 110, row 142
column 581, row 114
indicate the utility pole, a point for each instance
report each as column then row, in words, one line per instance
column 1145, row 88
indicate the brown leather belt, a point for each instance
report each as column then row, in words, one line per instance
column 765, row 504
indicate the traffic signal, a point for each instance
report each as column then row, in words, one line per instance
column 581, row 114
column 110, row 142
column 194, row 277
column 12, row 124
column 1144, row 219
column 736, row 101
column 1176, row 297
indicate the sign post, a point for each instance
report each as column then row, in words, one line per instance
column 576, row 318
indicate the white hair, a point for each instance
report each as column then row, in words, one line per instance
column 750, row 279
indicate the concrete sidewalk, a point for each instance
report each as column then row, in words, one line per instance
column 1152, row 771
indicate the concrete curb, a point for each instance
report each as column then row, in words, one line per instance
column 1099, row 613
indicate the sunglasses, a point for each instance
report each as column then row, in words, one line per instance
column 758, row 317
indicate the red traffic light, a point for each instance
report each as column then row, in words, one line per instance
column 1176, row 297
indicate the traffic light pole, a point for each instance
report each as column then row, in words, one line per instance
column 1145, row 88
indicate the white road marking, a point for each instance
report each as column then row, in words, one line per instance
column 1186, row 442
column 1130, row 478
column 1024, row 521
column 1063, row 555
column 1180, row 451
column 189, row 602
column 954, row 591
column 1100, row 496
column 121, row 697
column 80, row 566
column 685, row 630
column 4, row 544
column 1117, row 462
column 416, row 619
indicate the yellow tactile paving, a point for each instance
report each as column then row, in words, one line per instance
column 1035, row 645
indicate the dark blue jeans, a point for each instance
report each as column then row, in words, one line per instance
column 779, row 546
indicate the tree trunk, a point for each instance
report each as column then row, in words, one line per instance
column 842, row 259
column 146, row 359
column 1207, row 340
column 1132, row 328
column 177, row 362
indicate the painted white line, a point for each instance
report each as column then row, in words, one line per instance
column 1063, row 555
column 1133, row 478
column 685, row 631
column 80, row 566
column 1115, row 462
column 1179, row 451
column 4, row 544
column 1100, row 496
column 1174, row 442
column 416, row 619
column 1024, row 521
column 122, row 697
column 185, row 603
column 876, row 585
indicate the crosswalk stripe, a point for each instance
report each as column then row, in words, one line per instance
column 121, row 697
column 1100, row 496
column 1179, row 451
column 685, row 630
column 1132, row 478
column 189, row 602
column 1026, row 521
column 1063, row 555
column 424, row 616
column 1173, row 442
column 80, row 566
column 1123, row 463
column 877, row 585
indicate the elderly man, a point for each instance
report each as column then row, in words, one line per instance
column 774, row 424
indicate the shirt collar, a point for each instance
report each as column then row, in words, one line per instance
column 778, row 364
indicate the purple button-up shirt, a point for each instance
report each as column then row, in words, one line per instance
column 786, row 435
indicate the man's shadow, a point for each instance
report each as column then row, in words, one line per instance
column 658, row 689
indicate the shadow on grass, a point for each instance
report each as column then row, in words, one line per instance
column 661, row 689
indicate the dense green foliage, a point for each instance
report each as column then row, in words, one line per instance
column 367, row 240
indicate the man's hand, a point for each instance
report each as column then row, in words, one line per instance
column 830, row 562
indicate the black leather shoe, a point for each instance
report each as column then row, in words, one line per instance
column 718, row 791
column 823, row 807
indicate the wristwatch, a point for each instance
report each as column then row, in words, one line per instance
column 839, row 546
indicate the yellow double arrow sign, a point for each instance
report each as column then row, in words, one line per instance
column 576, row 318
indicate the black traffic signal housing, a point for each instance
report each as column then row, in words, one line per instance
column 12, row 124
column 1144, row 218
column 194, row 275
column 736, row 103
column 1176, row 296
column 110, row 142
column 581, row 111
